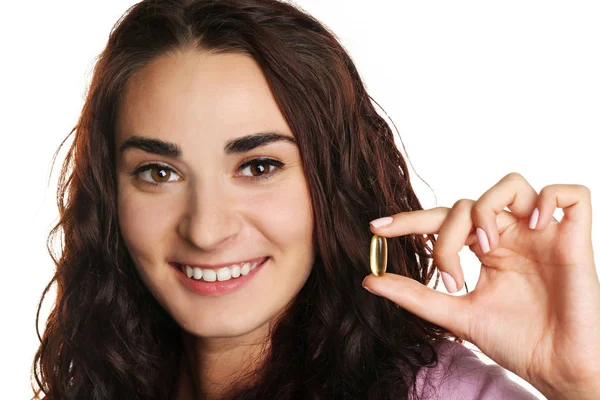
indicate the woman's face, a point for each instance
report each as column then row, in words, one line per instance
column 197, row 116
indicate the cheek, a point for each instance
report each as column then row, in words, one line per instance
column 143, row 221
column 283, row 214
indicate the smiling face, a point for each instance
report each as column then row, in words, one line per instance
column 197, row 116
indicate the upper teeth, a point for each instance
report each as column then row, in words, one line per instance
column 221, row 274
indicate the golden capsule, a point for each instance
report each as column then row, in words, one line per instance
column 378, row 255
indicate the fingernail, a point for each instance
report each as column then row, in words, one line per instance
column 534, row 218
column 378, row 223
column 483, row 240
column 449, row 282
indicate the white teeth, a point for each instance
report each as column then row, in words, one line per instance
column 246, row 268
column 224, row 274
column 209, row 275
column 197, row 273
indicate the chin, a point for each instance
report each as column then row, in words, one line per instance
column 220, row 325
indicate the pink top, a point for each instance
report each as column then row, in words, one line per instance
column 461, row 375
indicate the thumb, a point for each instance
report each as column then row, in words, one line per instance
column 439, row 308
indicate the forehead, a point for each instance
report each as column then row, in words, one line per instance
column 191, row 91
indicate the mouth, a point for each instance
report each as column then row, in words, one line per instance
column 216, row 282
column 221, row 274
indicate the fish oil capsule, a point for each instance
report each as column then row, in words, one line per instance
column 378, row 255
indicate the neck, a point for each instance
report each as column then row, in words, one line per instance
column 212, row 366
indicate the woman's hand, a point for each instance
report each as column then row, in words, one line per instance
column 536, row 308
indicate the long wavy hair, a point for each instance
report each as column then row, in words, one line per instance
column 106, row 336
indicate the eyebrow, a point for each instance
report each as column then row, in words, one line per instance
column 238, row 145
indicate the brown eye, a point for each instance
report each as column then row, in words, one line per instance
column 160, row 174
column 156, row 174
column 261, row 168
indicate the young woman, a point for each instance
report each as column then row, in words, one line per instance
column 215, row 206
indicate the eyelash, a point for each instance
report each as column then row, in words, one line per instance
column 269, row 161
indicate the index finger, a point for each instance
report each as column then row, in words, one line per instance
column 409, row 222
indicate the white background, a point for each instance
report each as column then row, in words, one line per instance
column 476, row 90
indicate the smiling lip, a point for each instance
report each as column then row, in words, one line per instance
column 217, row 288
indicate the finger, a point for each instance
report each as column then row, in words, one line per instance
column 440, row 308
column 512, row 192
column 503, row 220
column 458, row 231
column 574, row 200
column 451, row 239
column 413, row 222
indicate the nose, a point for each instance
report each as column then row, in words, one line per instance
column 210, row 220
